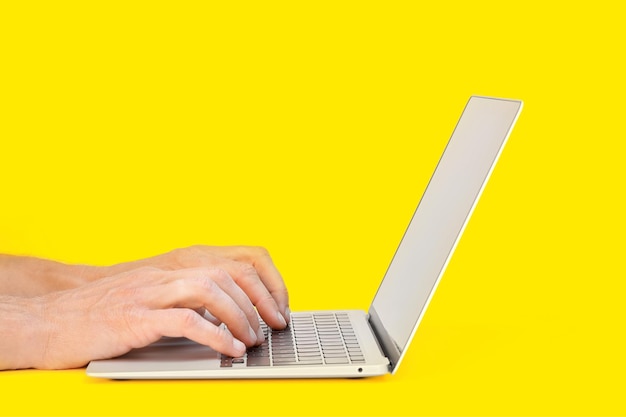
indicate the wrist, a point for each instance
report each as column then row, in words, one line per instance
column 29, row 277
column 24, row 335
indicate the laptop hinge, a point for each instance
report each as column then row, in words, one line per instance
column 385, row 342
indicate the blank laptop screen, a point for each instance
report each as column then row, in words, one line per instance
column 441, row 216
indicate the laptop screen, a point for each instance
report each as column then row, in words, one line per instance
column 439, row 220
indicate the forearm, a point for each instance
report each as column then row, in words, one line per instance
column 29, row 277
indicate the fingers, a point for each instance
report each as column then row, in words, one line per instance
column 187, row 323
column 210, row 289
column 260, row 259
column 112, row 315
column 253, row 269
column 249, row 280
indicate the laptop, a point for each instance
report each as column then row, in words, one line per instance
column 352, row 343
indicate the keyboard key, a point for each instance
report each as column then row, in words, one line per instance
column 310, row 362
column 309, row 355
column 333, row 348
column 259, row 361
column 336, row 360
column 335, row 355
column 308, row 349
column 277, row 361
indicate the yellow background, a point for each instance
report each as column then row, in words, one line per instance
column 130, row 129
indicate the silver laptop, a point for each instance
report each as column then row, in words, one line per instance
column 327, row 344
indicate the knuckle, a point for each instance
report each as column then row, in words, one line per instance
column 188, row 257
column 180, row 257
column 265, row 299
column 206, row 284
column 217, row 275
column 247, row 270
column 211, row 280
column 188, row 318
column 261, row 251
column 195, row 252
column 180, row 287
column 221, row 333
column 175, row 254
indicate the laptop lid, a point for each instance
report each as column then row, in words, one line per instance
column 439, row 221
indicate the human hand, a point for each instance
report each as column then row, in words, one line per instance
column 63, row 316
column 113, row 315
column 251, row 268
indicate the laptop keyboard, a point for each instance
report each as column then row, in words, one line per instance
column 310, row 339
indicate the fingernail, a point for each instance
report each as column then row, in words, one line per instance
column 253, row 335
column 239, row 346
column 281, row 319
column 287, row 313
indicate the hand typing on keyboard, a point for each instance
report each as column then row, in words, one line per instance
column 55, row 316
